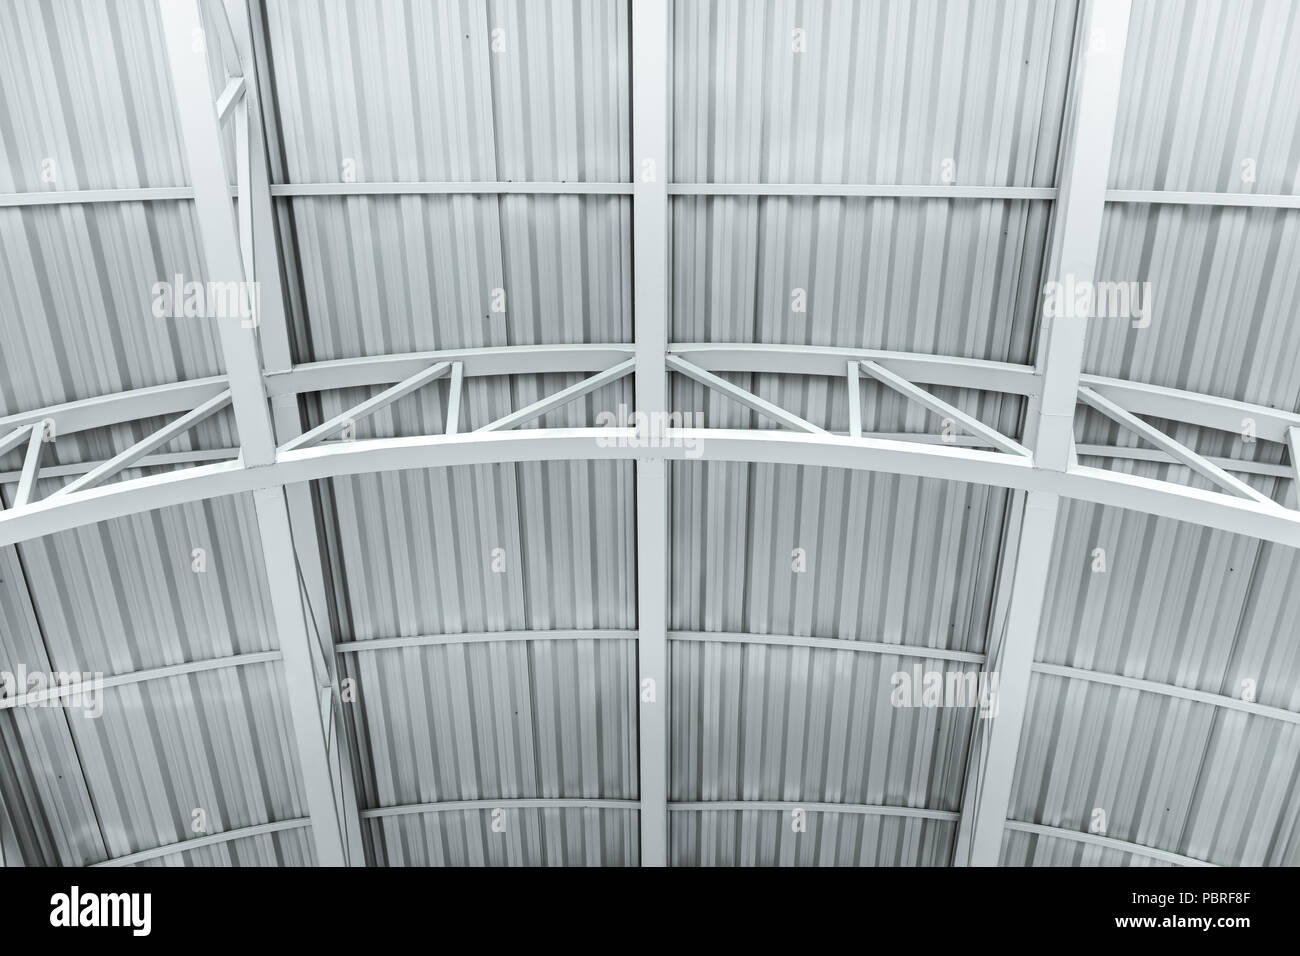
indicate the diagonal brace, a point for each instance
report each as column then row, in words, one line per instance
column 369, row 407
column 31, row 463
column 561, row 398
column 742, row 396
column 1197, row 463
column 15, row 438
column 146, row 445
column 937, row 405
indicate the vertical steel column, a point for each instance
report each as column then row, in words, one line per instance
column 219, row 236
column 225, row 262
column 262, row 262
column 1077, row 219
column 650, row 307
column 300, row 680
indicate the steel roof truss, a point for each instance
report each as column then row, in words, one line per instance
column 1180, row 452
column 561, row 398
column 146, row 445
column 742, row 396
column 369, row 407
column 937, row 405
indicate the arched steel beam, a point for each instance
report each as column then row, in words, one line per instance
column 211, row 839
column 1156, row 401
column 1108, row 843
column 1164, row 499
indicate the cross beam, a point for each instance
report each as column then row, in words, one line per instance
column 230, row 252
column 1099, row 64
column 650, row 309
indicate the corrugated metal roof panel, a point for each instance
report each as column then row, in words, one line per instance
column 412, row 554
column 218, row 741
column 1177, row 603
column 76, row 291
column 87, row 87
column 503, row 720
column 1134, row 756
column 471, row 91
column 891, row 559
column 1035, row 849
column 1265, row 650
column 42, row 788
column 1225, row 287
column 1207, row 87
column 917, row 275
column 1245, row 812
column 756, row 722
column 44, row 791
column 378, row 274
column 285, row 848
column 879, row 93
column 123, row 595
column 764, row 838
column 1166, row 608
column 549, row 837
column 1170, row 774
column 412, row 550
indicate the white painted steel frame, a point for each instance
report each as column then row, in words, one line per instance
column 369, row 407
column 230, row 255
column 1139, row 398
column 938, row 406
column 742, row 396
column 1109, row 843
column 812, row 190
column 650, row 200
column 1176, row 450
column 139, row 677
column 1100, row 40
column 832, row 644
column 1115, row 489
column 1206, row 411
column 650, row 49
column 149, row 443
column 211, row 839
column 511, row 803
column 301, row 682
column 262, row 262
column 812, row 806
column 218, row 231
column 564, row 396
column 720, row 806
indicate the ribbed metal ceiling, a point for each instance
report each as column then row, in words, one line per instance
column 888, row 93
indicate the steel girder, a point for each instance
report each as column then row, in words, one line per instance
column 1268, row 522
